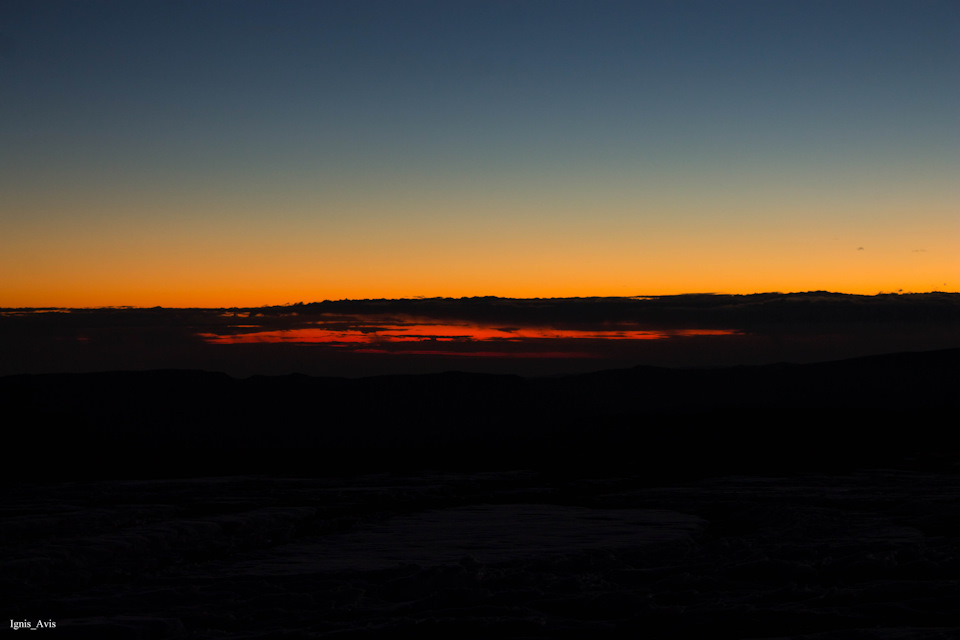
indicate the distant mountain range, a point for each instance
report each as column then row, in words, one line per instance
column 894, row 409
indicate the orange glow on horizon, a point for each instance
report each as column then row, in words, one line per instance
column 445, row 333
column 260, row 270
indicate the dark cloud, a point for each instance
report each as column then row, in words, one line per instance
column 364, row 337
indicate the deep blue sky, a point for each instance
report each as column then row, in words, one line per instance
column 265, row 152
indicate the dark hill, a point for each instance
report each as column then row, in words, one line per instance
column 891, row 410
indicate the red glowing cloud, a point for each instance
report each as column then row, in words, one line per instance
column 434, row 337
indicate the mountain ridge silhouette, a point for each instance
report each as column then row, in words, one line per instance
column 693, row 420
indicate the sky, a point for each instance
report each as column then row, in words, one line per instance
column 214, row 153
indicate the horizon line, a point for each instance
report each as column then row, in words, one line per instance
column 482, row 297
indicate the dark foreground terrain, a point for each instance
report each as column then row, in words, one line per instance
column 813, row 501
column 869, row 554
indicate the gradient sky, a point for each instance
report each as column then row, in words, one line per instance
column 244, row 153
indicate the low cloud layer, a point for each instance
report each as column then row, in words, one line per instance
column 528, row 336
